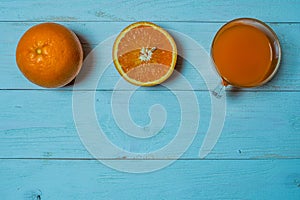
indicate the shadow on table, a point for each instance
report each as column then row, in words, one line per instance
column 87, row 48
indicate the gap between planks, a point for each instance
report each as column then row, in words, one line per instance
column 149, row 159
column 132, row 21
column 147, row 89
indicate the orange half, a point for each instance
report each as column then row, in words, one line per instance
column 145, row 54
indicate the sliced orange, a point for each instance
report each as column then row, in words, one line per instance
column 144, row 54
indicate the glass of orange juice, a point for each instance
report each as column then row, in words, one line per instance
column 246, row 53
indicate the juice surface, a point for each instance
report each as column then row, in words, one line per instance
column 243, row 55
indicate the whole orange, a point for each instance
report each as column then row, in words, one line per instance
column 49, row 55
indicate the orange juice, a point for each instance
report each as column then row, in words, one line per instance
column 244, row 53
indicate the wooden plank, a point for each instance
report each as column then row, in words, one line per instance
column 92, row 33
column 226, row 179
column 258, row 125
column 191, row 10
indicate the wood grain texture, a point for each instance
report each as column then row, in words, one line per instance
column 258, row 125
column 92, row 33
column 61, row 179
column 156, row 10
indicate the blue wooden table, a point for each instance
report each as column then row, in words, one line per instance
column 256, row 157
